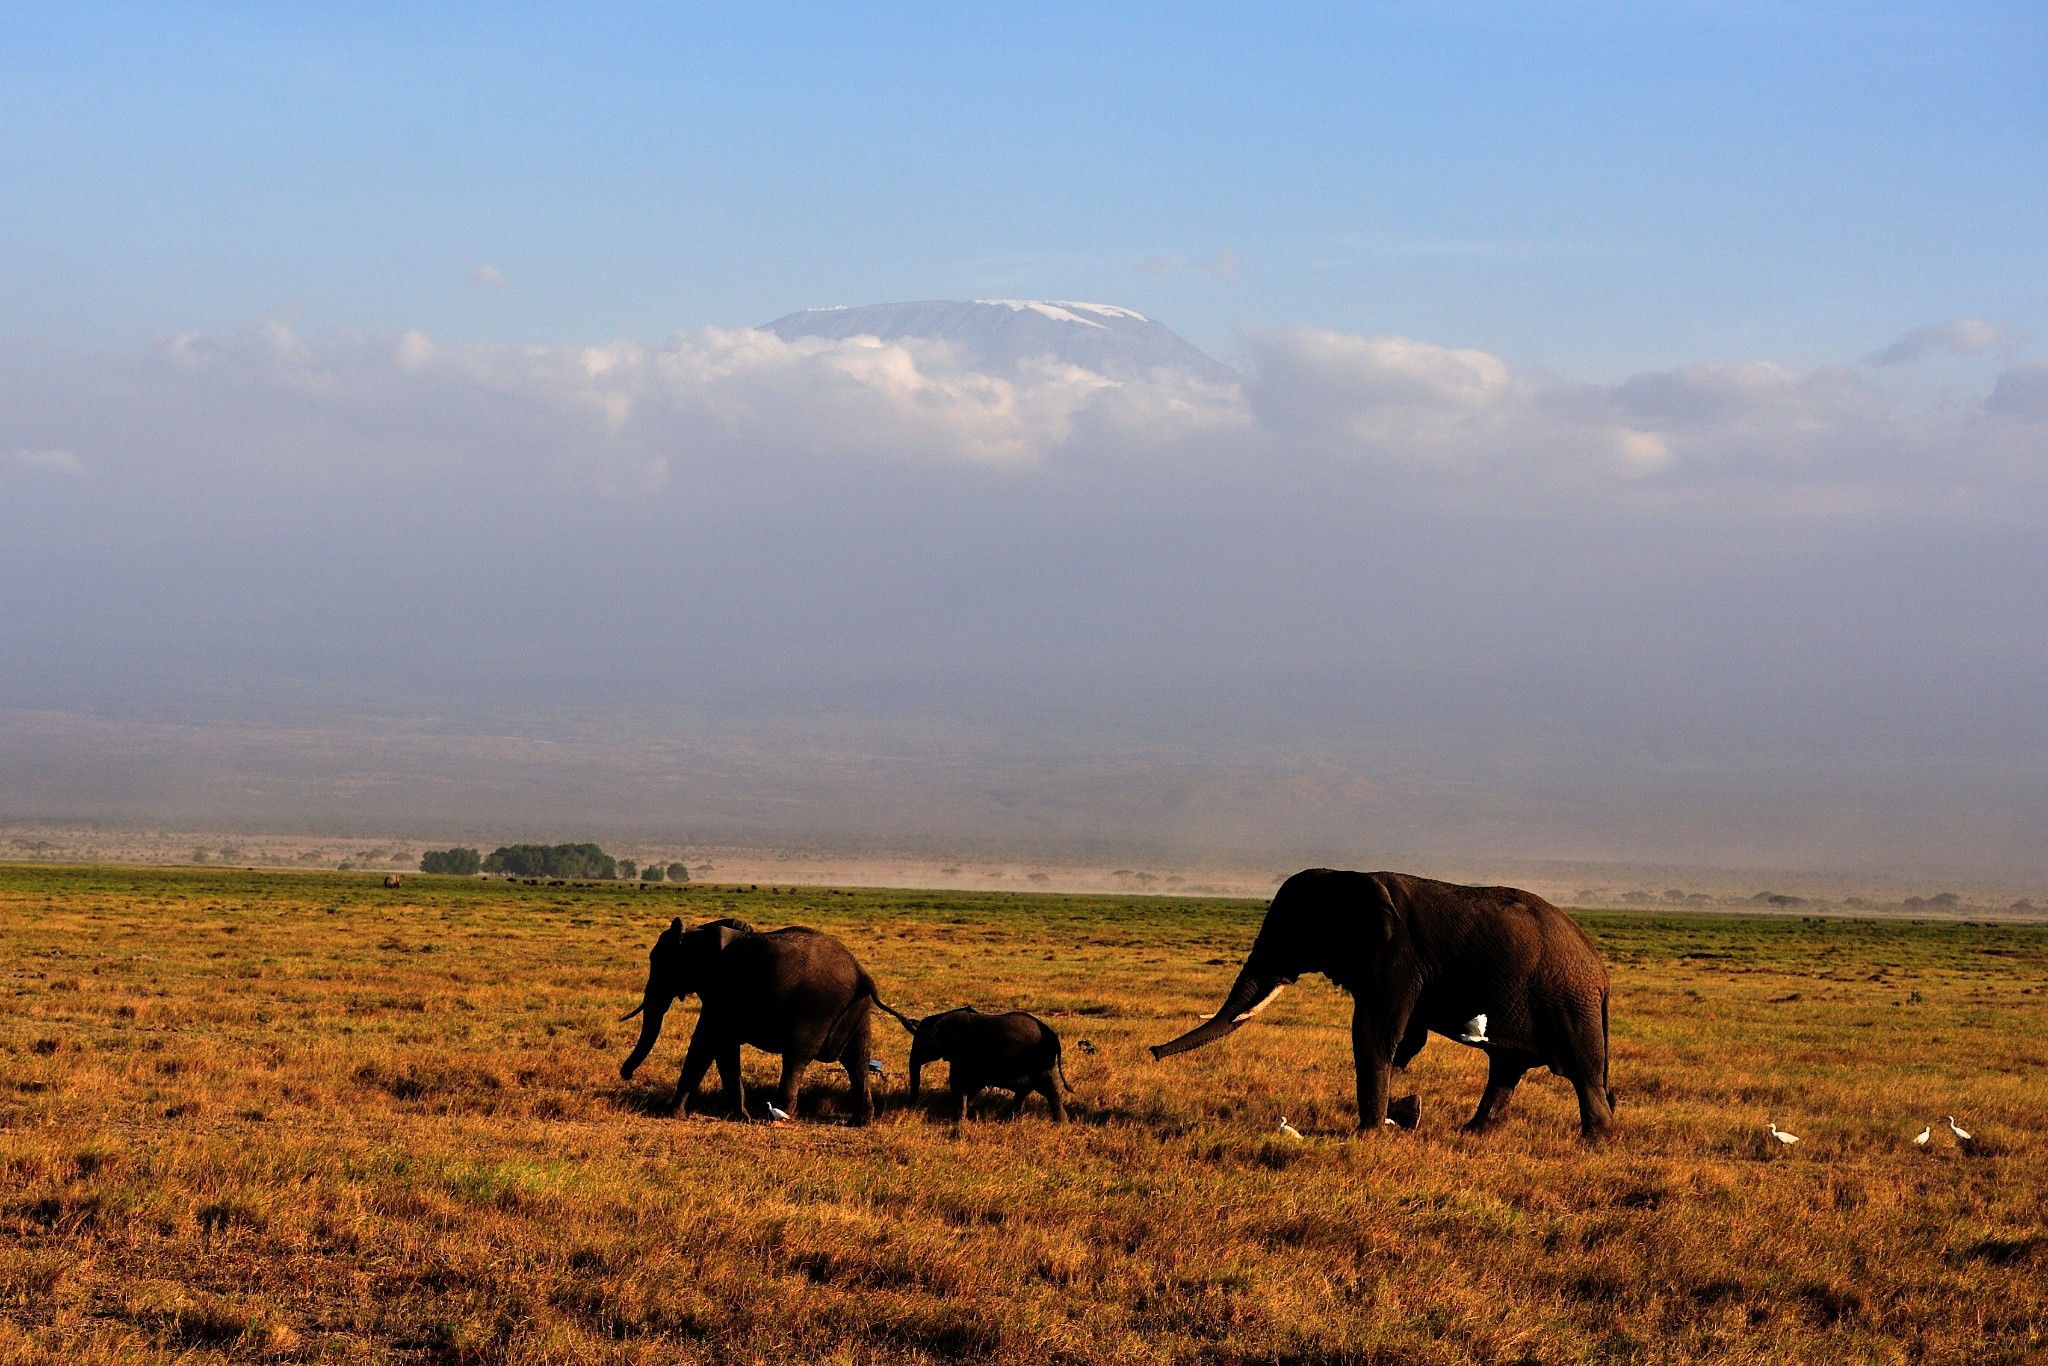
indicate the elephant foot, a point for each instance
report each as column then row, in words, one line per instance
column 1487, row 1118
column 1403, row 1113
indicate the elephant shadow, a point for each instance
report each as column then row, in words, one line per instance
column 649, row 1102
column 934, row 1105
column 659, row 1102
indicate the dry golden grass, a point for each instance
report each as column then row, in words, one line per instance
column 298, row 1117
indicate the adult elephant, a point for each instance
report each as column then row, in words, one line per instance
column 796, row 992
column 1417, row 956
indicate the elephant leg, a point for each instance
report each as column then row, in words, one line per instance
column 855, row 1057
column 1049, row 1088
column 1596, row 1108
column 1503, row 1073
column 1017, row 1099
column 696, row 1062
column 732, row 1087
column 1373, row 1055
column 1586, row 1068
column 959, row 1098
column 1412, row 1040
column 792, row 1075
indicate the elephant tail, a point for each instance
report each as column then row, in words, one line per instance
column 876, row 997
column 1060, row 1065
column 1606, row 1053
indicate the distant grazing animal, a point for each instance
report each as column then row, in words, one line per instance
column 1420, row 956
column 392, row 880
column 793, row 991
column 1775, row 1132
column 1014, row 1051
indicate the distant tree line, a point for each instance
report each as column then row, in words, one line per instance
column 548, row 860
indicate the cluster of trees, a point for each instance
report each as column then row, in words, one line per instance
column 655, row 872
column 552, row 860
column 547, row 860
column 459, row 861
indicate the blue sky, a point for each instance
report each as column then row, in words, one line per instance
column 1590, row 189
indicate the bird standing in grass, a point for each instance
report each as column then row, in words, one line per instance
column 1288, row 1129
column 1962, row 1135
column 1775, row 1132
column 775, row 1112
column 1920, row 1139
column 1475, row 1031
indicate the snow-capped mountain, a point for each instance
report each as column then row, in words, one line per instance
column 997, row 335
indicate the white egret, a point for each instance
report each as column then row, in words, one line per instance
column 1475, row 1031
column 1775, row 1132
column 1921, row 1138
column 1288, row 1129
column 1962, row 1135
column 776, row 1113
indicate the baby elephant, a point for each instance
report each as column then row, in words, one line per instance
column 1014, row 1052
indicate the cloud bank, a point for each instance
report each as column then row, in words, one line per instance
column 1732, row 610
column 626, row 419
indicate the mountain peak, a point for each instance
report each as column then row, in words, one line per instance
column 999, row 335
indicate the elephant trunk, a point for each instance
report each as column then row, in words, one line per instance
column 919, row 1056
column 650, row 1012
column 1250, row 994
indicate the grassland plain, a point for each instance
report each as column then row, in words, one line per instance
column 301, row 1117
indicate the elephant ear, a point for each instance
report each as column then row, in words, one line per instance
column 1382, row 917
column 726, row 922
column 715, row 936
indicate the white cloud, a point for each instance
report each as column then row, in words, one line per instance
column 488, row 277
column 1960, row 337
column 1222, row 264
column 740, row 408
column 59, row 462
column 2022, row 392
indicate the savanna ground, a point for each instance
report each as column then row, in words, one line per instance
column 300, row 1117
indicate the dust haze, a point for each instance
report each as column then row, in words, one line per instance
column 1382, row 602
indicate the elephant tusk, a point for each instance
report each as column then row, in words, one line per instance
column 1265, row 1001
column 631, row 1013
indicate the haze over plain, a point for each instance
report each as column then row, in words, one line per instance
column 1638, row 449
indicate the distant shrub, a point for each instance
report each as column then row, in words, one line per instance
column 628, row 868
column 653, row 872
column 678, row 873
column 552, row 860
column 459, row 861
